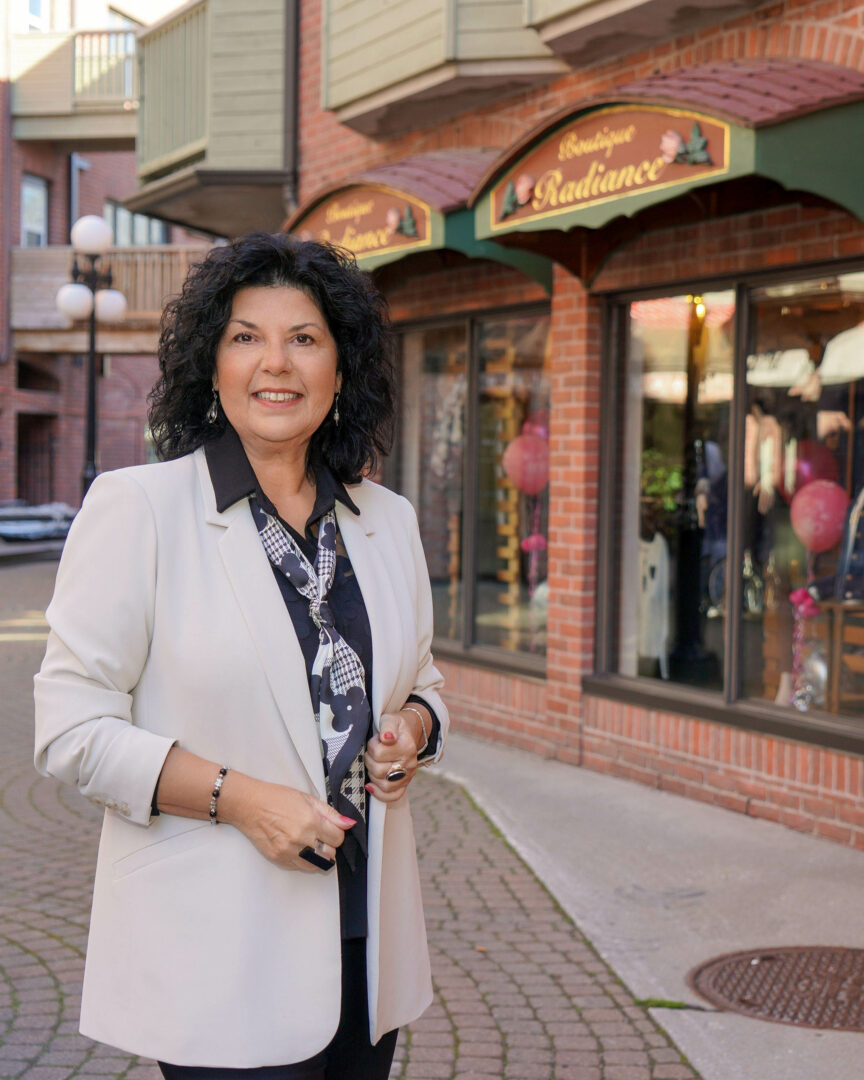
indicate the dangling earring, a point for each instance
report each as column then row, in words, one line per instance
column 336, row 409
column 213, row 411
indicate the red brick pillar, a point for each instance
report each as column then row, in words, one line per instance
column 574, row 488
column 7, row 366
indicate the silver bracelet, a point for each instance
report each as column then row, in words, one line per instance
column 410, row 708
column 214, row 794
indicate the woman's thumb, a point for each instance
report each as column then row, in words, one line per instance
column 388, row 729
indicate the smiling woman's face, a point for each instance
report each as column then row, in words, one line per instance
column 276, row 369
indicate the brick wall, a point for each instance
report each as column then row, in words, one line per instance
column 804, row 787
column 122, row 394
column 121, row 418
column 830, row 30
column 784, row 236
column 474, row 287
column 801, row 786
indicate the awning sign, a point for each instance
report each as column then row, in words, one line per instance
column 606, row 156
column 369, row 221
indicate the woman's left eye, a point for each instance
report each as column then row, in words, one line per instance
column 303, row 339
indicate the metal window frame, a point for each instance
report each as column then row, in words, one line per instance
column 465, row 650
column 729, row 707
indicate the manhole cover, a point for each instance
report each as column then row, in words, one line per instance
column 808, row 986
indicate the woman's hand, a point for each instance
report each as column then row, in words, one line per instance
column 392, row 750
column 281, row 821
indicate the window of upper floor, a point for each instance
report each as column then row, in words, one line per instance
column 136, row 230
column 34, row 211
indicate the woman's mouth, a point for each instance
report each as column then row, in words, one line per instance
column 276, row 395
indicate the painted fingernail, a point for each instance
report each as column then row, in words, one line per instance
column 388, row 736
column 370, row 789
column 347, row 821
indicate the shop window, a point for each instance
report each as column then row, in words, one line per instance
column 473, row 459
column 803, row 631
column 675, row 459
column 34, row 212
column 737, row 527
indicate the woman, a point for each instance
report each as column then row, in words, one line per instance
column 240, row 636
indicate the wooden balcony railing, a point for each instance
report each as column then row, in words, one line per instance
column 105, row 67
column 61, row 73
column 147, row 276
column 174, row 65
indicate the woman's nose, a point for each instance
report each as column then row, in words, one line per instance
column 276, row 358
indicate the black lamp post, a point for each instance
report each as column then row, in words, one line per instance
column 89, row 296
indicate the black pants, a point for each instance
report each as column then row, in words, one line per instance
column 349, row 1056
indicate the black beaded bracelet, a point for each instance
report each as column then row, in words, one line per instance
column 214, row 795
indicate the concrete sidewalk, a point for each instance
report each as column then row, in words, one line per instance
column 659, row 884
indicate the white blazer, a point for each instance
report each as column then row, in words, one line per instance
column 167, row 625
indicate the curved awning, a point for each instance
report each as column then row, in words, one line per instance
column 408, row 207
column 743, row 129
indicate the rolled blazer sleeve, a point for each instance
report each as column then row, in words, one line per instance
column 429, row 679
column 101, row 622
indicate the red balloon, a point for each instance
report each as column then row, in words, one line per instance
column 813, row 461
column 817, row 512
column 526, row 462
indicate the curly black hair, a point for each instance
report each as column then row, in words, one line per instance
column 356, row 315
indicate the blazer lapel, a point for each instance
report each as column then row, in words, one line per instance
column 384, row 613
column 248, row 570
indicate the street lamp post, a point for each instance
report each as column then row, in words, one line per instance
column 89, row 296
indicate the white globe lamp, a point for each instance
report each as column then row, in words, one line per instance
column 75, row 301
column 110, row 305
column 91, row 235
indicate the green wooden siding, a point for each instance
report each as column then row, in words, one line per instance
column 214, row 87
column 174, row 71
column 247, row 84
column 494, row 29
column 372, row 44
column 541, row 11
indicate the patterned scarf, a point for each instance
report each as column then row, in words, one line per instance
column 338, row 684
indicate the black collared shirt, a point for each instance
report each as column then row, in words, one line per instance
column 234, row 479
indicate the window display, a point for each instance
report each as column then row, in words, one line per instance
column 473, row 458
column 794, row 634
column 513, row 483
column 804, row 475
column 674, row 488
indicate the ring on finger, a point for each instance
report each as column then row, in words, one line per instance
column 319, row 846
column 398, row 772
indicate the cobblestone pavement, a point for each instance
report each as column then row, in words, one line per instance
column 519, row 993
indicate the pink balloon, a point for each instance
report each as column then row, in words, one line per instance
column 817, row 513
column 534, row 542
column 537, row 423
column 813, row 461
column 526, row 462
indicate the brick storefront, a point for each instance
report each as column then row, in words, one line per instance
column 754, row 766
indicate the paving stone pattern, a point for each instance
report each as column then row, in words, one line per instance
column 519, row 993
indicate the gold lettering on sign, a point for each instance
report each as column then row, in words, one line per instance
column 358, row 242
column 605, row 140
column 352, row 212
column 552, row 191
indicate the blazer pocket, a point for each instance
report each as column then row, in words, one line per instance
column 166, row 848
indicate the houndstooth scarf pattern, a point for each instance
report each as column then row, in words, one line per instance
column 338, row 682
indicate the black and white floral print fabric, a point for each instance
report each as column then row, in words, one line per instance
column 338, row 683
